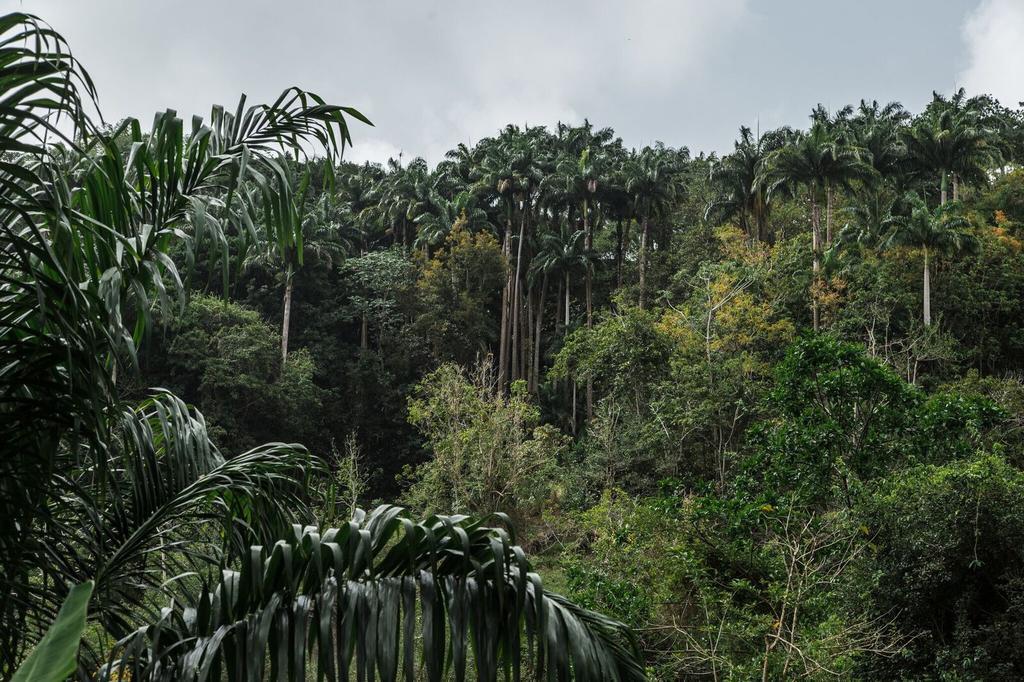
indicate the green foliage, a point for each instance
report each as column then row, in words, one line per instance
column 54, row 659
column 382, row 593
column 845, row 418
column 489, row 452
column 948, row 562
column 457, row 289
column 226, row 360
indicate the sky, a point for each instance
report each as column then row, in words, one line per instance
column 433, row 73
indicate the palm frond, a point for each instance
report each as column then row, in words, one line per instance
column 384, row 595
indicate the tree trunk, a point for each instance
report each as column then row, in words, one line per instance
column 539, row 326
column 517, row 295
column 956, row 187
column 286, row 318
column 816, row 249
column 927, row 292
column 828, row 214
column 618, row 254
column 643, row 262
column 942, row 189
column 566, row 330
column 531, row 315
column 590, row 300
column 505, row 295
column 364, row 333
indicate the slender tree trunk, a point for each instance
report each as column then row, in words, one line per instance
column 286, row 318
column 618, row 254
column 566, row 331
column 526, row 334
column 816, row 249
column 503, row 341
column 539, row 327
column 517, row 294
column 760, row 217
column 590, row 300
column 942, row 188
column 570, row 384
column 364, row 333
column 927, row 292
column 644, row 232
column 956, row 187
column 828, row 214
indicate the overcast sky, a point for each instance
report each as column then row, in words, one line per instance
column 433, row 73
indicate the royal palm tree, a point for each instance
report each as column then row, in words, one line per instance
column 814, row 160
column 949, row 142
column 438, row 217
column 650, row 180
column 319, row 231
column 743, row 193
column 938, row 231
column 562, row 254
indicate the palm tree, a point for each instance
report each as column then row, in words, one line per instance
column 837, row 126
column 650, row 180
column 743, row 193
column 562, row 254
column 438, row 217
column 320, row 237
column 949, row 142
column 815, row 160
column 938, row 231
column 581, row 177
column 495, row 179
column 134, row 498
column 92, row 487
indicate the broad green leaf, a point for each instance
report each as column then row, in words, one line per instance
column 54, row 658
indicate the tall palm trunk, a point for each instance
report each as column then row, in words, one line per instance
column 364, row 333
column 589, row 241
column 566, row 330
column 503, row 342
column 942, row 188
column 927, row 292
column 828, row 214
column 286, row 318
column 517, row 295
column 539, row 328
column 644, row 235
column 816, row 249
column 956, row 187
column 761, row 217
column 618, row 254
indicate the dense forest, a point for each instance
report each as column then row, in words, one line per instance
column 763, row 410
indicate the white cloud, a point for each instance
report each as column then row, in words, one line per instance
column 372, row 149
column 994, row 35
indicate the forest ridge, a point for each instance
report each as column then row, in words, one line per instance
column 756, row 416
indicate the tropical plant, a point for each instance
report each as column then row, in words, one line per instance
column 55, row 657
column 743, row 193
column 317, row 233
column 386, row 595
column 938, row 231
column 817, row 161
column 650, row 180
column 949, row 141
column 438, row 217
